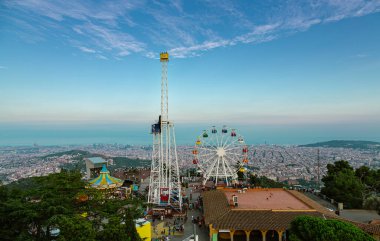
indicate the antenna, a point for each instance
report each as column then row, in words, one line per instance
column 319, row 172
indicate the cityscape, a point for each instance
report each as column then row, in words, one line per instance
column 280, row 163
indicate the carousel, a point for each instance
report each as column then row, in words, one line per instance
column 105, row 181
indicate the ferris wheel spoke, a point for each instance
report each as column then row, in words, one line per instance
column 236, row 160
column 230, row 144
column 207, row 160
column 233, row 148
column 205, row 155
column 209, row 170
column 205, row 150
column 231, row 159
column 208, row 143
column 227, row 139
column 225, row 170
column 235, row 154
column 203, row 141
column 221, row 139
column 217, row 139
column 229, row 167
column 224, row 139
column 205, row 147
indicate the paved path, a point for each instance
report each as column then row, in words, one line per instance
column 321, row 201
column 360, row 215
column 188, row 226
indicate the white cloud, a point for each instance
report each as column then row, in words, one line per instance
column 110, row 40
column 120, row 28
column 183, row 52
column 151, row 55
column 87, row 50
column 99, row 56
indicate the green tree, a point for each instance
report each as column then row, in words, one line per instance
column 265, row 182
column 372, row 203
column 342, row 185
column 73, row 228
column 307, row 228
column 31, row 208
column 370, row 178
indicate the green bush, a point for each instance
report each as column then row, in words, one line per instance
column 306, row 228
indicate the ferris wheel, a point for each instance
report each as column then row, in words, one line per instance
column 219, row 154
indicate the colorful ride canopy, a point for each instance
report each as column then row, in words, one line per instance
column 105, row 180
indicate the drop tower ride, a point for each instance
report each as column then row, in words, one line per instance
column 164, row 185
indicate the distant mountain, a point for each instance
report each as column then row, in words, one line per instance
column 346, row 144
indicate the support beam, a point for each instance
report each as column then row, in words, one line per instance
column 264, row 234
column 212, row 231
column 280, row 232
column 232, row 234
column 247, row 234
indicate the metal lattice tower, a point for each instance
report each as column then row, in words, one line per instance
column 319, row 172
column 164, row 186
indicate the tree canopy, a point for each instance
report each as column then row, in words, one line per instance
column 31, row 208
column 307, row 228
column 352, row 187
column 265, row 182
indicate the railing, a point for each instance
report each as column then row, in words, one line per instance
column 337, row 205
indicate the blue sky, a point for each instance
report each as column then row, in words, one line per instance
column 280, row 63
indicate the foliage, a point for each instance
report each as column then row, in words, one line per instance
column 265, row 182
column 370, row 178
column 32, row 207
column 121, row 162
column 372, row 203
column 73, row 228
column 80, row 153
column 352, row 187
column 342, row 185
column 307, row 228
column 305, row 183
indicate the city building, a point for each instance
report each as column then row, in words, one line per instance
column 93, row 166
column 261, row 214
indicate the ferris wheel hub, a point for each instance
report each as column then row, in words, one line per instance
column 220, row 152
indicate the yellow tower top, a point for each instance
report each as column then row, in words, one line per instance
column 164, row 56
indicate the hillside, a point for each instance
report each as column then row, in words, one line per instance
column 79, row 153
column 79, row 164
column 346, row 144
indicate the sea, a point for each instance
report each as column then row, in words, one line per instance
column 186, row 134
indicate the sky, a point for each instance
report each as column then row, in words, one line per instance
column 272, row 65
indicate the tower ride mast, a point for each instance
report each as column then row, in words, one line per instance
column 164, row 185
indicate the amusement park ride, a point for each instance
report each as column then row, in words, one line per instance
column 164, row 185
column 220, row 154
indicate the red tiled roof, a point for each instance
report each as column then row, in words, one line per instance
column 215, row 204
column 218, row 213
column 259, row 219
column 274, row 198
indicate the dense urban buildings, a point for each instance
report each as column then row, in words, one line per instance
column 277, row 162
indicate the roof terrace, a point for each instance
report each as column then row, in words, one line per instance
column 264, row 199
